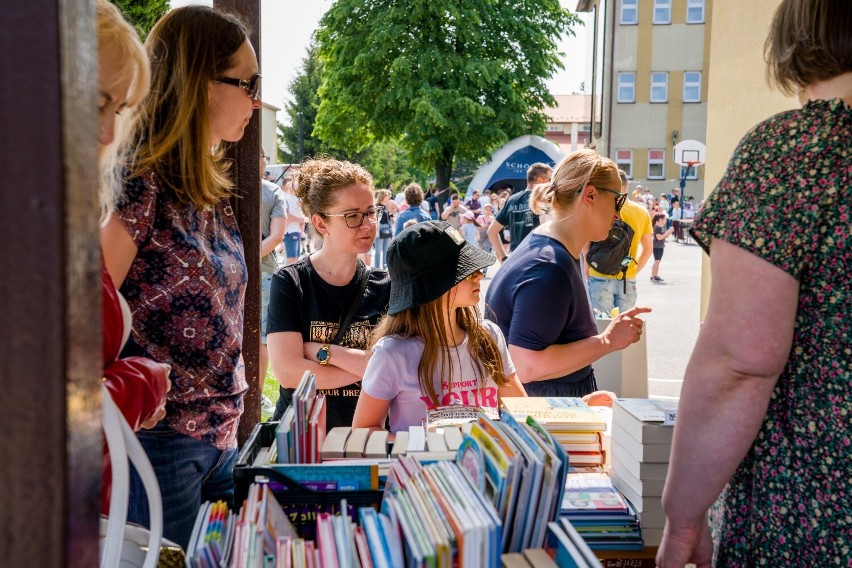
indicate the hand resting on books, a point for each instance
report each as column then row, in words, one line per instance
column 600, row 398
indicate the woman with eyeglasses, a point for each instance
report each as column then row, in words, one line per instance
column 433, row 350
column 174, row 249
column 539, row 297
column 314, row 297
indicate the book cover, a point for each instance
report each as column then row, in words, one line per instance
column 334, row 445
column 556, row 413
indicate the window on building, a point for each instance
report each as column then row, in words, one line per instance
column 692, row 87
column 627, row 87
column 624, row 160
column 659, row 87
column 629, row 12
column 662, row 11
column 691, row 174
column 656, row 164
column 694, row 11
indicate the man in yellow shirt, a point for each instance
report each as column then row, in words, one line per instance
column 607, row 292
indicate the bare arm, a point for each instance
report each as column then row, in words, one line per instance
column 445, row 214
column 494, row 236
column 647, row 244
column 370, row 412
column 559, row 360
column 512, row 388
column 119, row 250
column 351, row 360
column 286, row 353
column 742, row 349
column 277, row 226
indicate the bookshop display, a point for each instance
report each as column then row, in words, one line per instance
column 552, row 482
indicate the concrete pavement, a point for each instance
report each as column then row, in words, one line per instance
column 672, row 327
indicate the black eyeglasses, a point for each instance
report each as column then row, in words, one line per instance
column 355, row 219
column 252, row 86
column 619, row 201
column 265, row 158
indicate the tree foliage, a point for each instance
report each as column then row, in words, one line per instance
column 143, row 14
column 385, row 160
column 450, row 79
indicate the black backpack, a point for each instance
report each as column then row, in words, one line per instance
column 611, row 256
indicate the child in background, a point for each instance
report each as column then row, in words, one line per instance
column 469, row 228
column 660, row 236
column 433, row 348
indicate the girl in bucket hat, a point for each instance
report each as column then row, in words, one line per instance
column 433, row 349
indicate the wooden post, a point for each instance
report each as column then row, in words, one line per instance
column 246, row 156
column 50, row 343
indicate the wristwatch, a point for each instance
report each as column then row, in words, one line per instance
column 324, row 354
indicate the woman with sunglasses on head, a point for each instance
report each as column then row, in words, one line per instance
column 539, row 297
column 433, row 349
column 174, row 249
column 323, row 307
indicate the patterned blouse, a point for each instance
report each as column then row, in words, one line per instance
column 186, row 289
column 786, row 198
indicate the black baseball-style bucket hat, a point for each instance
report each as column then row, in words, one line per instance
column 428, row 259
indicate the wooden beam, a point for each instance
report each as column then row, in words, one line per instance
column 246, row 156
column 50, row 342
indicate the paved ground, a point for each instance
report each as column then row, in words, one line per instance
column 672, row 327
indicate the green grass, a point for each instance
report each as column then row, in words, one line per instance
column 270, row 386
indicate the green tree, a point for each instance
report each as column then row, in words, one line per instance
column 302, row 111
column 450, row 80
column 143, row 14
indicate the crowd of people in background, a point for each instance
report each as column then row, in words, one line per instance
column 764, row 405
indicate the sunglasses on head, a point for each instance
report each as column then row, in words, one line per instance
column 250, row 86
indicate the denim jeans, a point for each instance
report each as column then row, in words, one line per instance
column 265, row 288
column 608, row 293
column 381, row 256
column 189, row 471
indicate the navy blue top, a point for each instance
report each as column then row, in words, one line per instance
column 538, row 298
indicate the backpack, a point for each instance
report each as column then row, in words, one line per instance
column 611, row 256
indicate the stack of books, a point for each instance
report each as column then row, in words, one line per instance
column 359, row 443
column 599, row 513
column 641, row 443
column 301, row 431
column 575, row 426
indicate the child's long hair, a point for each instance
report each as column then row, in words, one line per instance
column 427, row 323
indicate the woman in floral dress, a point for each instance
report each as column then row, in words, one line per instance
column 764, row 417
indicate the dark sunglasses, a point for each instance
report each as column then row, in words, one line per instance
column 355, row 219
column 619, row 201
column 251, row 86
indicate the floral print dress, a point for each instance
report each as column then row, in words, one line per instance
column 786, row 198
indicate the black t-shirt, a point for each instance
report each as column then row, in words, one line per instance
column 517, row 215
column 538, row 298
column 659, row 243
column 303, row 302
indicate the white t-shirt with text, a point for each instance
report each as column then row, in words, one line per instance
column 392, row 375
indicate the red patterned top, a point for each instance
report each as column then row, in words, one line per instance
column 186, row 289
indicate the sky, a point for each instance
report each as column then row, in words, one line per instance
column 287, row 27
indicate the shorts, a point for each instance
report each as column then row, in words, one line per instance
column 292, row 244
column 658, row 253
column 265, row 287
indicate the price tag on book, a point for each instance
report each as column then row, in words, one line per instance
column 669, row 410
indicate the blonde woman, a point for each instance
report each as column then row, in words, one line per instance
column 174, row 248
column 539, row 297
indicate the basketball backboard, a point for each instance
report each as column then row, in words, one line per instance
column 689, row 152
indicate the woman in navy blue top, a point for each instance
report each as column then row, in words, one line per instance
column 539, row 297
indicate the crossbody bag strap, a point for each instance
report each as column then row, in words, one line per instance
column 344, row 323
